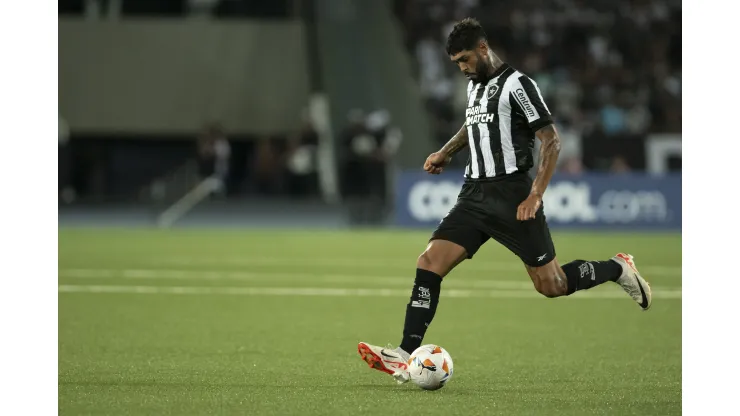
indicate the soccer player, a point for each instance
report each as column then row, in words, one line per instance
column 499, row 200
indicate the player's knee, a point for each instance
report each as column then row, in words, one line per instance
column 433, row 263
column 425, row 261
column 546, row 290
column 551, row 287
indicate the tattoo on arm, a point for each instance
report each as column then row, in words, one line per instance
column 549, row 151
column 457, row 142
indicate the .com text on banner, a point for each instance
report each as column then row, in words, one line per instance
column 599, row 201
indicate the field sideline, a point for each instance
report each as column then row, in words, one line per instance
column 190, row 322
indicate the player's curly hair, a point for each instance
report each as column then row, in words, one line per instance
column 465, row 35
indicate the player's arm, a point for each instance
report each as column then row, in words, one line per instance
column 549, row 151
column 456, row 143
column 436, row 162
column 527, row 95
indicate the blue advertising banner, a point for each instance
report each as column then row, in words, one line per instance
column 589, row 201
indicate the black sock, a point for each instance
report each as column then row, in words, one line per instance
column 583, row 274
column 420, row 309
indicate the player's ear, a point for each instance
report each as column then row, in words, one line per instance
column 483, row 47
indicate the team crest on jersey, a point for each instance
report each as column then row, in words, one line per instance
column 492, row 90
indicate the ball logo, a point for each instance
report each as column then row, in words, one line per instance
column 426, row 364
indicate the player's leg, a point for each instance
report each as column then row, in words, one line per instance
column 537, row 251
column 535, row 248
column 552, row 280
column 531, row 241
column 546, row 280
column 456, row 238
column 439, row 258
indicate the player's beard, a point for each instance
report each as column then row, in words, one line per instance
column 481, row 68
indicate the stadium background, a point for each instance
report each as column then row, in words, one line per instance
column 191, row 130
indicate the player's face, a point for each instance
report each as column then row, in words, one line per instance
column 472, row 64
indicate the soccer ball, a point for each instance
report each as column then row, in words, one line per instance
column 430, row 367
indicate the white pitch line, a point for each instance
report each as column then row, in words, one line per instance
column 342, row 292
column 402, row 281
column 385, row 264
column 405, row 281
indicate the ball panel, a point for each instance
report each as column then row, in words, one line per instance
column 430, row 367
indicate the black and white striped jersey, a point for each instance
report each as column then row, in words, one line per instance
column 502, row 116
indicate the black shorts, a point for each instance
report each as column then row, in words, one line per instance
column 488, row 210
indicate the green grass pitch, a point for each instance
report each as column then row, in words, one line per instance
column 240, row 322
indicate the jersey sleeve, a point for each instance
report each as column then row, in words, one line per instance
column 526, row 94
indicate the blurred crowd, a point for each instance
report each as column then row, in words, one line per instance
column 280, row 165
column 607, row 68
column 215, row 8
column 367, row 146
column 610, row 71
column 288, row 165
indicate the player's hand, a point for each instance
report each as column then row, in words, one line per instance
column 528, row 209
column 436, row 162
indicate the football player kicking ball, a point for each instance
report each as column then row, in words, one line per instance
column 499, row 200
